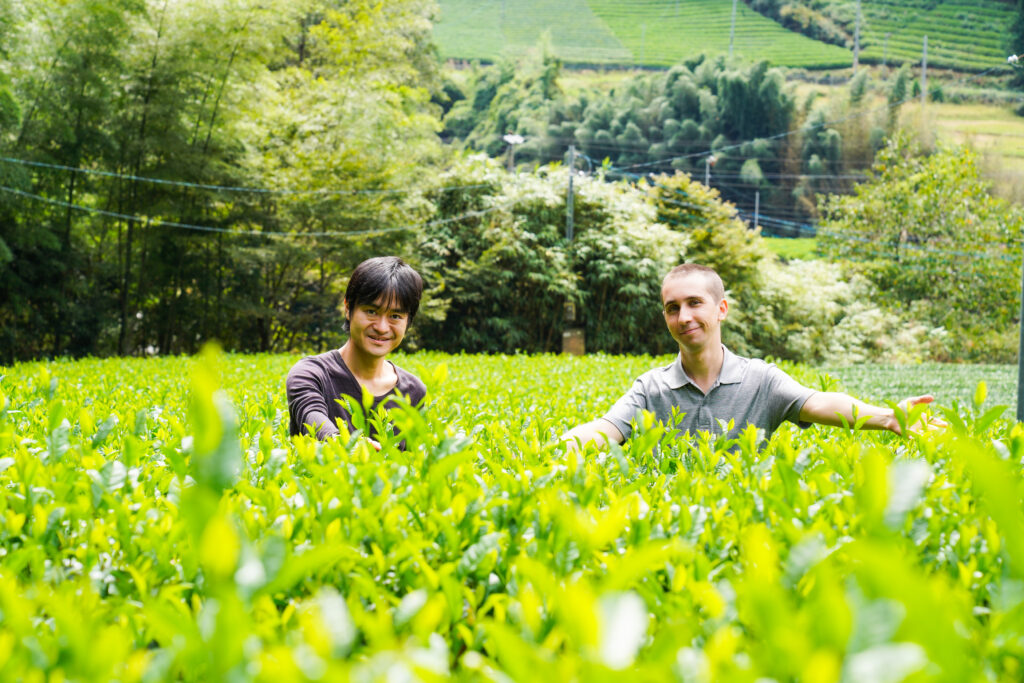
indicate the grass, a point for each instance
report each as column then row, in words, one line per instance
column 793, row 248
column 646, row 32
column 961, row 35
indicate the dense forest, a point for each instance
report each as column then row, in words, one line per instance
column 741, row 127
column 179, row 171
column 172, row 173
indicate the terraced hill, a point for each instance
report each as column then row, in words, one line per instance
column 647, row 32
column 962, row 34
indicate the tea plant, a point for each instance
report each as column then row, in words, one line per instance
column 159, row 524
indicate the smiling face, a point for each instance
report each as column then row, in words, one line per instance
column 692, row 312
column 376, row 329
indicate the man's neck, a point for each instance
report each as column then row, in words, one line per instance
column 365, row 367
column 703, row 366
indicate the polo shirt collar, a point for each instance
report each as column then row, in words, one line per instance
column 731, row 373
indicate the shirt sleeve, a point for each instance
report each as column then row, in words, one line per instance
column 307, row 401
column 787, row 396
column 627, row 408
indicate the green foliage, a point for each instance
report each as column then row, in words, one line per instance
column 673, row 117
column 1015, row 41
column 484, row 550
column 926, row 231
column 716, row 236
column 812, row 312
column 305, row 102
column 954, row 383
column 791, row 248
column 800, row 311
column 652, row 33
column 495, row 29
column 826, row 22
column 962, row 36
column 504, row 277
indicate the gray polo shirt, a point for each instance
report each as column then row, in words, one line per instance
column 747, row 390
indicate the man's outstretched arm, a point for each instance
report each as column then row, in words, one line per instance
column 831, row 408
column 600, row 431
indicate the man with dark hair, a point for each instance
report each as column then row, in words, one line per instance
column 381, row 300
column 707, row 385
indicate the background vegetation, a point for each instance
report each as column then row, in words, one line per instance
column 172, row 174
column 136, row 121
column 797, row 33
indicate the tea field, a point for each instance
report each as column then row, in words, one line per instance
column 158, row 524
column 643, row 32
column 963, row 36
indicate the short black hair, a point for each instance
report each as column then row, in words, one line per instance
column 388, row 278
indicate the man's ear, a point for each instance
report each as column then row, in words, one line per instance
column 344, row 308
column 723, row 309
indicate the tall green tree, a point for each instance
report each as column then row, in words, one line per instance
column 65, row 74
column 148, row 115
column 346, row 125
column 928, row 233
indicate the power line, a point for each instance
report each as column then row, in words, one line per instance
column 256, row 233
column 226, row 188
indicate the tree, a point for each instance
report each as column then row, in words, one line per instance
column 64, row 76
column 927, row 232
column 500, row 279
column 150, row 114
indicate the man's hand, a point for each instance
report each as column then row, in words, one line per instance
column 600, row 431
column 835, row 409
column 927, row 422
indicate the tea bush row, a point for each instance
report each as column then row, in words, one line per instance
column 158, row 524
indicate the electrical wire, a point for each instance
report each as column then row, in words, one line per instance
column 256, row 233
column 226, row 188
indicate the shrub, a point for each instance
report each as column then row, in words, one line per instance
column 927, row 232
column 500, row 280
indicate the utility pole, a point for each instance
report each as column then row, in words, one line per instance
column 924, row 77
column 757, row 209
column 570, row 200
column 885, row 50
column 709, row 161
column 732, row 28
column 856, row 41
column 512, row 139
column 573, row 338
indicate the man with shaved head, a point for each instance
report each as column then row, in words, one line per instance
column 707, row 386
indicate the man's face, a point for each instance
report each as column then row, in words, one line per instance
column 376, row 329
column 693, row 316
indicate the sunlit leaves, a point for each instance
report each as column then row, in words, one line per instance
column 483, row 548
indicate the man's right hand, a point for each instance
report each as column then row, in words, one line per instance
column 599, row 431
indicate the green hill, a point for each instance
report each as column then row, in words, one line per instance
column 962, row 34
column 646, row 32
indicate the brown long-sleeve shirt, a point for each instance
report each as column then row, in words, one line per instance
column 315, row 382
